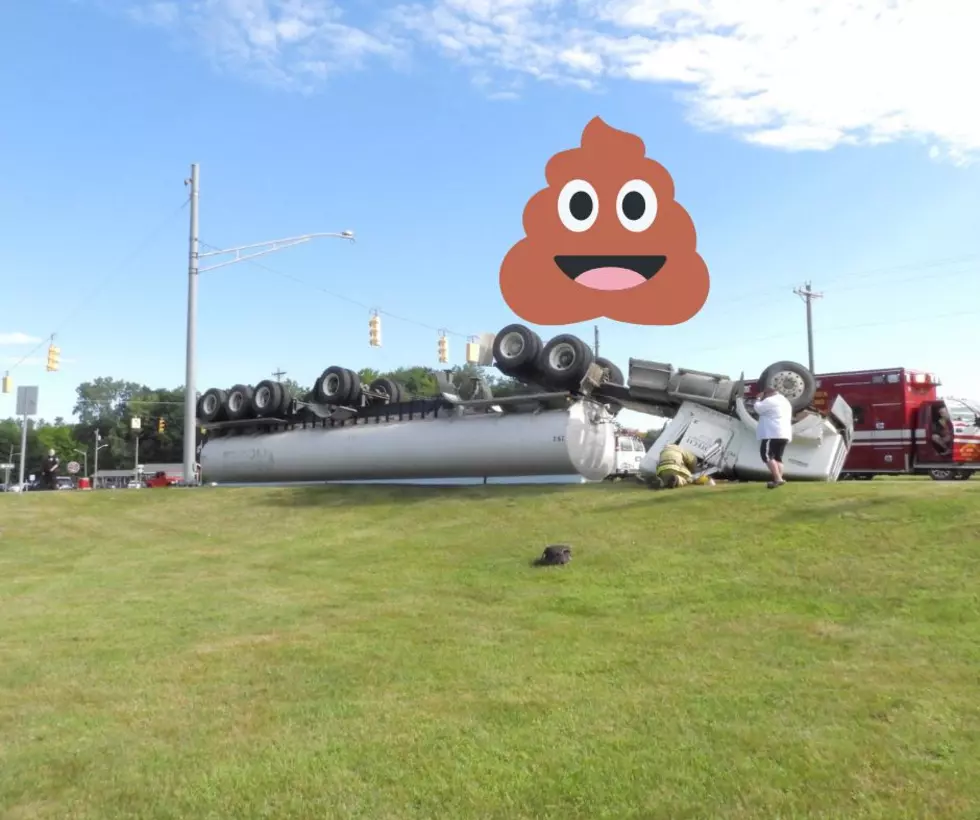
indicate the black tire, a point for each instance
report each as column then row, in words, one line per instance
column 337, row 386
column 564, row 362
column 211, row 406
column 961, row 475
column 238, row 402
column 516, row 349
column 612, row 374
column 267, row 399
column 793, row 380
column 941, row 475
column 391, row 391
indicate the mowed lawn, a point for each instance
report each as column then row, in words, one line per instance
column 379, row 652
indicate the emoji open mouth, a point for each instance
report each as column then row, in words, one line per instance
column 610, row 272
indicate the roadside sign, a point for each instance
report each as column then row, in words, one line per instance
column 6, row 466
column 26, row 401
column 74, row 467
column 136, row 423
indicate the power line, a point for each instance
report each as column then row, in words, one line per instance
column 98, row 288
column 343, row 298
column 860, row 326
column 849, row 277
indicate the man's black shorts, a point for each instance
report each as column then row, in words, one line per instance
column 772, row 449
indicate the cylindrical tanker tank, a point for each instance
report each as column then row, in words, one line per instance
column 579, row 439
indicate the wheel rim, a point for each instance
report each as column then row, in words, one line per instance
column 512, row 346
column 210, row 403
column 562, row 357
column 790, row 384
column 331, row 385
column 942, row 475
column 235, row 401
column 263, row 397
column 383, row 392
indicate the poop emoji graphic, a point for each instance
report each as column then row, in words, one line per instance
column 605, row 238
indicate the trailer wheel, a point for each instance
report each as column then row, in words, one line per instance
column 211, row 406
column 391, row 392
column 337, row 385
column 793, row 380
column 267, row 399
column 564, row 361
column 515, row 351
column 238, row 403
column 610, row 373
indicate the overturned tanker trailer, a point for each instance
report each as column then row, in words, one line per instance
column 564, row 423
column 348, row 431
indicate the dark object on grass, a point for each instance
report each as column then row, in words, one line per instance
column 554, row 555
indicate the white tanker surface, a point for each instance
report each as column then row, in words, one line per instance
column 580, row 439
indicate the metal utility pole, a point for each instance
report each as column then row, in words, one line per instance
column 193, row 271
column 95, row 472
column 26, row 406
column 807, row 294
column 190, row 380
column 279, row 374
column 595, row 345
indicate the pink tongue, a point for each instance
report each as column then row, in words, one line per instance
column 610, row 279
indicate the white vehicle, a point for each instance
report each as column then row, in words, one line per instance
column 711, row 418
column 629, row 454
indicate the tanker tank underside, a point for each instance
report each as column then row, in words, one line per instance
column 577, row 440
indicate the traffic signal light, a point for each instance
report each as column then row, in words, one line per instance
column 161, row 425
column 443, row 349
column 54, row 358
column 8, row 384
column 374, row 328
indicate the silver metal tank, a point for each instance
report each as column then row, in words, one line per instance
column 579, row 439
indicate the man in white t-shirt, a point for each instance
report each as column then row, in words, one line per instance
column 774, row 432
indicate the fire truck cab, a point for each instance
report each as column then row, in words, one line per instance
column 902, row 426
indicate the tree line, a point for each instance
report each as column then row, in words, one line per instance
column 107, row 406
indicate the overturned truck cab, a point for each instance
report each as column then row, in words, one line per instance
column 709, row 415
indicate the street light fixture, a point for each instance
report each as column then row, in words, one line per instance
column 193, row 269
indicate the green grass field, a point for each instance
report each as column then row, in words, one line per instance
column 726, row 652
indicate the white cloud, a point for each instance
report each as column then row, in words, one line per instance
column 789, row 74
column 290, row 43
column 17, row 338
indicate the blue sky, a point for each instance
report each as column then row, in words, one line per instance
column 425, row 129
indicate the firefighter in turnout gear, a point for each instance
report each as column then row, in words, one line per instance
column 675, row 468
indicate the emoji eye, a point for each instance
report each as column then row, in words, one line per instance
column 636, row 205
column 578, row 205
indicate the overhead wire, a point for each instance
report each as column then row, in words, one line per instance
column 781, row 290
column 114, row 272
column 348, row 299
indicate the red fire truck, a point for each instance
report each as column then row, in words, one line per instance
column 898, row 425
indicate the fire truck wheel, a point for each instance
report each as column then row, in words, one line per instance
column 941, row 475
column 388, row 390
column 961, row 475
column 211, row 405
column 238, row 402
column 611, row 373
column 564, row 362
column 793, row 380
column 267, row 399
column 337, row 385
column 515, row 351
